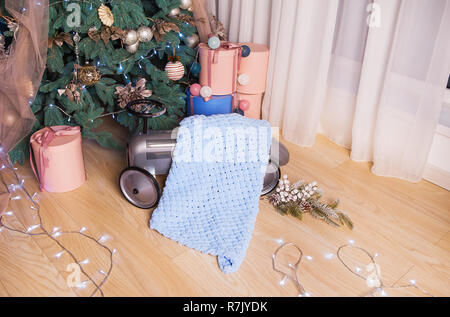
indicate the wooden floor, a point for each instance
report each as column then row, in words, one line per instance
column 407, row 224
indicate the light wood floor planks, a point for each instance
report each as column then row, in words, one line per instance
column 407, row 224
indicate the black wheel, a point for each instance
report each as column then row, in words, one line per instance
column 139, row 187
column 271, row 178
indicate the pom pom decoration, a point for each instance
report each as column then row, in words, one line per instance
column 245, row 51
column 195, row 89
column 243, row 79
column 196, row 68
column 206, row 92
column 244, row 105
column 175, row 70
column 214, row 42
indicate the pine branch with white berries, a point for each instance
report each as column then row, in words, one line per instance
column 304, row 197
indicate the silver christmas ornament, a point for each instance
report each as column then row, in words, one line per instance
column 145, row 34
column 185, row 4
column 174, row 12
column 131, row 37
column 192, row 41
column 132, row 48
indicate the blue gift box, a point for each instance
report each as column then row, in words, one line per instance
column 216, row 105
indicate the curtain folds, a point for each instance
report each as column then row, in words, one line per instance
column 370, row 75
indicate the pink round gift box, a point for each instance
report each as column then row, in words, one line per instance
column 255, row 66
column 219, row 69
column 65, row 171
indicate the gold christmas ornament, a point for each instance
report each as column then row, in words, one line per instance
column 185, row 4
column 145, row 34
column 174, row 12
column 87, row 75
column 105, row 15
column 192, row 41
column 131, row 37
column 132, row 48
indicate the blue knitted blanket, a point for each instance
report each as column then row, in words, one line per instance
column 210, row 200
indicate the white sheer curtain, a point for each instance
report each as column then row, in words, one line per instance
column 370, row 75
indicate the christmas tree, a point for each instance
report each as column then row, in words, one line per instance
column 98, row 53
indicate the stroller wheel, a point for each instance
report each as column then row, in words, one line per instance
column 139, row 187
column 271, row 178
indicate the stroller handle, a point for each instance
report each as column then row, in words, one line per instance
column 144, row 115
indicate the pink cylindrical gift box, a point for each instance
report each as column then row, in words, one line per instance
column 219, row 68
column 255, row 66
column 58, row 158
column 255, row 100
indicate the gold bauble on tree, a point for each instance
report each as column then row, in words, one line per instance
column 105, row 15
column 88, row 75
column 145, row 34
column 132, row 48
column 131, row 37
column 185, row 4
column 174, row 12
column 192, row 41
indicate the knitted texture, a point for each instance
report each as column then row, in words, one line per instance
column 210, row 200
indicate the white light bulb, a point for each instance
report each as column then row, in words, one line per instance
column 279, row 241
column 357, row 269
column 413, row 282
column 59, row 254
column 9, row 213
column 57, row 234
column 83, row 229
column 329, row 255
column 15, row 198
column 351, row 242
column 283, row 281
column 85, row 261
column 83, row 285
column 308, row 257
column 31, row 228
column 103, row 238
column 383, row 293
column 55, row 229
column 307, row 294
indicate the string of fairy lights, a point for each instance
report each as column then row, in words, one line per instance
column 376, row 283
column 31, row 231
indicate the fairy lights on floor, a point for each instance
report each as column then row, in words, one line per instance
column 380, row 289
column 56, row 231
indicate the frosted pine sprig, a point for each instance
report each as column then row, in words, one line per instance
column 304, row 197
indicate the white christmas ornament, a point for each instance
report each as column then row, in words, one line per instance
column 132, row 48
column 174, row 12
column 243, row 79
column 145, row 34
column 206, row 92
column 185, row 4
column 131, row 37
